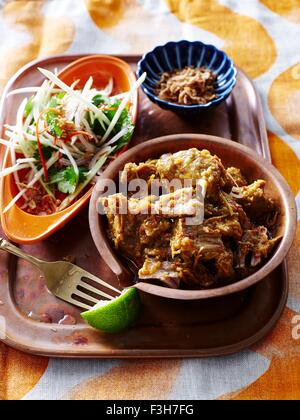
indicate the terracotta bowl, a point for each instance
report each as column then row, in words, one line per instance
column 232, row 154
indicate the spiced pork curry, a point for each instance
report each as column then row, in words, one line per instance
column 191, row 240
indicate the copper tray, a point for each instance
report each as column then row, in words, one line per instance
column 38, row 323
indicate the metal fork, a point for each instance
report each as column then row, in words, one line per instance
column 65, row 280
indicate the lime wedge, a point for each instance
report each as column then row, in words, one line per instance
column 115, row 315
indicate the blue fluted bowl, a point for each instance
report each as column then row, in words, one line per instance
column 177, row 55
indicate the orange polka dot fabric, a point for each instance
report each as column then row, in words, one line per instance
column 262, row 37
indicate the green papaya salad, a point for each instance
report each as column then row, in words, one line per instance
column 62, row 139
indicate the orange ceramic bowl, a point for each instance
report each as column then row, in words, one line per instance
column 25, row 228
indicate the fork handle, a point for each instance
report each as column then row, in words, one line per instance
column 12, row 249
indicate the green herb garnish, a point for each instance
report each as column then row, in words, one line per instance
column 66, row 179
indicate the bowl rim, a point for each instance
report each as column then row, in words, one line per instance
column 175, row 106
column 113, row 262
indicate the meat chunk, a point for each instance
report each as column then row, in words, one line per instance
column 224, row 265
column 123, row 227
column 133, row 171
column 233, row 208
column 164, row 271
column 225, row 226
column 198, row 278
column 249, row 194
column 255, row 203
column 155, row 229
column 235, row 177
column 194, row 165
column 192, row 242
column 194, row 245
column 256, row 245
column 135, row 226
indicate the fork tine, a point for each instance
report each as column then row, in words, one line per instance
column 77, row 303
column 85, row 296
column 99, row 281
column 82, row 305
column 94, row 290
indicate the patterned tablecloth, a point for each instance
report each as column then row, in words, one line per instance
column 262, row 36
